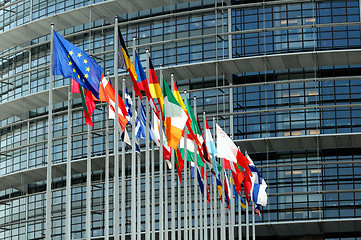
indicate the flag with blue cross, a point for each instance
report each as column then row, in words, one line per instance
column 71, row 62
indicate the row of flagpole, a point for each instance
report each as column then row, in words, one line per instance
column 200, row 217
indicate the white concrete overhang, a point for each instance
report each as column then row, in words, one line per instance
column 297, row 143
column 266, row 63
column 18, row 107
column 308, row 228
column 278, row 144
column 204, row 69
column 22, row 35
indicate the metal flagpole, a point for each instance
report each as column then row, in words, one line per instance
column 161, row 170
column 205, row 217
column 223, row 204
column 138, row 162
column 133, row 177
column 106, row 192
column 190, row 222
column 215, row 222
column 172, row 175
column 147, row 158
column 166, row 187
column 153, row 185
column 231, row 220
column 194, row 180
column 50, row 143
column 116, row 137
column 139, row 180
column 185, row 204
column 239, row 217
column 247, row 221
column 88, row 186
column 68, row 165
column 253, row 224
column 124, row 221
column 152, row 223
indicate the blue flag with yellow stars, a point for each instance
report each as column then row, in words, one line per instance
column 71, row 62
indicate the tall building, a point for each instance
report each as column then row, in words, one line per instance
column 283, row 78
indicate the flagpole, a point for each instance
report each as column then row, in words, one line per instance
column 215, row 222
column 205, row 218
column 153, row 184
column 139, row 180
column 88, row 186
column 223, row 220
column 166, row 186
column 50, row 143
column 68, row 165
column 133, row 177
column 253, row 223
column 161, row 170
column 194, row 180
column 116, row 135
column 190, row 222
column 138, row 176
column 231, row 121
column 247, row 221
column 123, row 178
column 147, row 158
column 172, row 175
column 106, row 193
column 152, row 164
column 240, row 217
column 185, row 204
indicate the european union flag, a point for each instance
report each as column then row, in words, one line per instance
column 71, row 62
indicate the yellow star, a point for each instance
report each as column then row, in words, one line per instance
column 85, row 61
column 74, row 70
column 71, row 53
column 83, row 80
column 70, row 63
column 79, row 55
column 78, row 76
column 87, row 69
column 86, row 75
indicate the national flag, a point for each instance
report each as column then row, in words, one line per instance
column 179, row 164
column 156, row 135
column 200, row 181
column 131, row 111
column 227, row 191
column 204, row 149
column 175, row 117
column 87, row 102
column 107, row 94
column 191, row 149
column 71, row 62
column 206, row 180
column 228, row 150
column 154, row 87
column 143, row 82
column 88, row 106
column 258, row 189
column 124, row 62
column 219, row 186
column 143, row 123
column 212, row 148
column 237, row 181
column 189, row 120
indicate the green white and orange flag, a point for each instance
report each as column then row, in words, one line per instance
column 175, row 117
column 189, row 120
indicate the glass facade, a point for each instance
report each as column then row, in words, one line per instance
column 318, row 109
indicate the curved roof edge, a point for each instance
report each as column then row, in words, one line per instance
column 293, row 143
column 17, row 107
column 22, row 35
